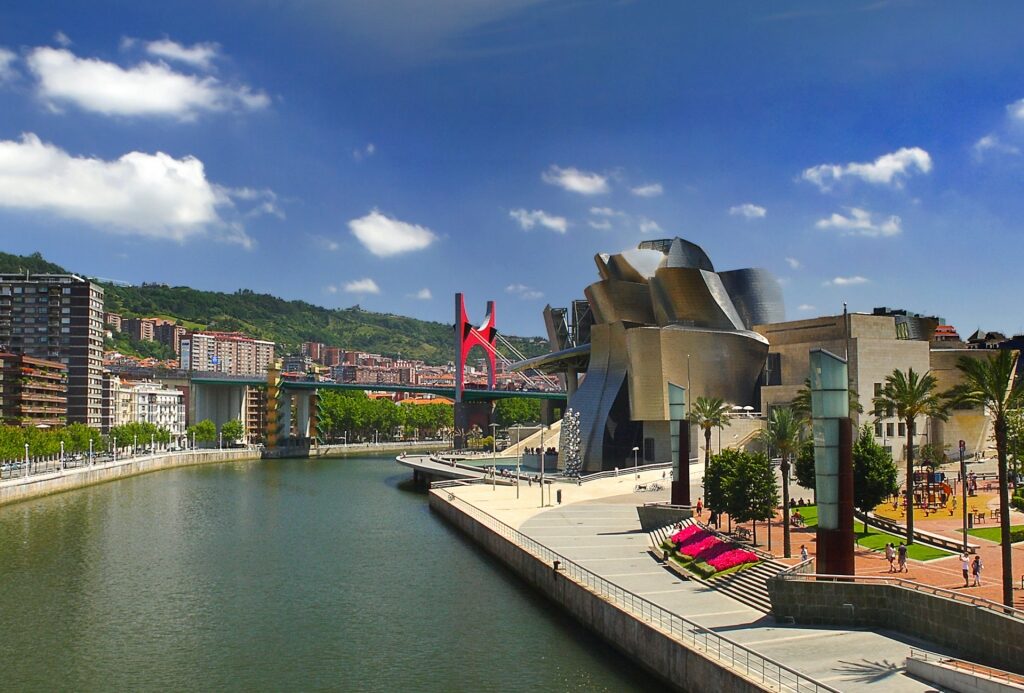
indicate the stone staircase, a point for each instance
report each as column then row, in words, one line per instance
column 749, row 586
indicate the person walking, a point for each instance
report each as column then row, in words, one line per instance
column 700, row 506
column 890, row 556
column 976, row 569
column 803, row 552
column 965, row 566
column 901, row 552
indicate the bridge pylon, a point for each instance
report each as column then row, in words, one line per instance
column 467, row 336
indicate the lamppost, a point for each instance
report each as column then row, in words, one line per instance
column 26, row 460
column 90, row 452
column 636, row 455
column 135, row 444
column 62, row 454
column 220, row 440
column 542, row 465
column 152, row 444
column 519, row 454
column 494, row 453
column 193, row 441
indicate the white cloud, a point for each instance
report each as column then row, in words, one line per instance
column 331, row 289
column 748, row 211
column 361, row 286
column 62, row 39
column 860, row 223
column 888, row 169
column 325, row 243
column 7, row 59
column 384, row 236
column 601, row 225
column 1016, row 109
column 648, row 225
column 199, row 55
column 793, row 263
column 149, row 195
column 422, row 295
column 992, row 143
column 148, row 89
column 527, row 220
column 524, row 292
column 605, row 212
column 805, row 307
column 846, row 281
column 647, row 190
column 364, row 152
column 575, row 180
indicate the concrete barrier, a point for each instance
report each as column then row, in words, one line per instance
column 951, row 678
column 982, row 634
column 16, row 490
column 682, row 668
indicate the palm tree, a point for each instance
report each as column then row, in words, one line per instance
column 910, row 395
column 709, row 413
column 989, row 382
column 783, row 435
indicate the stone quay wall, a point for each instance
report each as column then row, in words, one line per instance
column 978, row 633
column 682, row 668
column 21, row 489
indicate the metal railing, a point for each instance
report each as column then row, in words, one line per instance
column 936, row 541
column 13, row 470
column 625, row 471
column 729, row 653
column 971, row 668
column 910, row 585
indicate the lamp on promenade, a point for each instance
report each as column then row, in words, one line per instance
column 636, row 455
column 519, row 454
column 494, row 452
column 62, row 454
column 135, row 444
column 152, row 443
column 542, row 465
column 26, row 460
column 90, row 451
column 220, row 440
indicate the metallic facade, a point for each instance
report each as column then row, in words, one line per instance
column 661, row 315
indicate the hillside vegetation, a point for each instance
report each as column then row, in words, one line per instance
column 288, row 323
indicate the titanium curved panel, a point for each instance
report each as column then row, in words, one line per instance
column 680, row 253
column 757, row 295
column 612, row 300
column 620, row 268
column 692, row 297
column 606, row 376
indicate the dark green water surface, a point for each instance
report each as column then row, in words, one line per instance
column 280, row 575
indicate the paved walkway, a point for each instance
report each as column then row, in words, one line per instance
column 597, row 526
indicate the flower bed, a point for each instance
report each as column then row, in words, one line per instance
column 704, row 553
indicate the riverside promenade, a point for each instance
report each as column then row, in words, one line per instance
column 596, row 528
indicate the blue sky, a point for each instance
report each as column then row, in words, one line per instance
column 392, row 153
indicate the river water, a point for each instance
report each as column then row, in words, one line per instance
column 326, row 574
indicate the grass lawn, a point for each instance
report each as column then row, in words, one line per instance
column 876, row 539
column 991, row 533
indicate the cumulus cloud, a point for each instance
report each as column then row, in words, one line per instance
column 748, row 210
column 62, row 39
column 361, row 286
column 846, row 281
column 888, row 169
column 605, row 212
column 993, row 144
column 7, row 59
column 575, row 180
column 527, row 220
column 648, row 225
column 149, row 195
column 860, row 223
column 325, row 243
column 524, row 292
column 1016, row 110
column 647, row 190
column 384, row 236
column 200, row 55
column 422, row 295
column 805, row 307
column 600, row 224
column 793, row 263
column 364, row 152
column 148, row 89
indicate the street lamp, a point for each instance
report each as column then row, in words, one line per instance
column 519, row 454
column 90, row 451
column 542, row 465
column 636, row 455
column 135, row 444
column 220, row 440
column 26, row 460
column 494, row 452
column 62, row 454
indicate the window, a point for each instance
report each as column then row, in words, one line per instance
column 903, row 429
column 890, row 430
column 878, row 429
column 878, row 389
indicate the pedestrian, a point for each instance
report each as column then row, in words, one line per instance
column 803, row 552
column 965, row 566
column 700, row 506
column 890, row 555
column 976, row 569
column 902, row 553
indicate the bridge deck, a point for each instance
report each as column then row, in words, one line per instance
column 449, row 392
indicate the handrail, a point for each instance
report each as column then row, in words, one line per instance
column 624, row 471
column 911, row 585
column 731, row 654
column 978, row 670
column 936, row 541
column 725, row 537
column 801, row 568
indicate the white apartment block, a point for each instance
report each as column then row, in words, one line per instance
column 230, row 353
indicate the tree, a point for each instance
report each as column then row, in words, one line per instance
column 991, row 383
column 709, row 413
column 754, row 493
column 801, row 403
column 1015, row 438
column 232, row 431
column 803, row 467
column 874, row 473
column 205, row 431
column 508, row 412
column 910, row 395
column 782, row 436
column 718, row 479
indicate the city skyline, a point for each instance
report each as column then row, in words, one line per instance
column 865, row 153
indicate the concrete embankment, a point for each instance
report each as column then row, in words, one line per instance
column 15, row 490
column 372, row 448
column 657, row 651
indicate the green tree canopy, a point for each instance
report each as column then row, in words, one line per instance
column 709, row 413
column 718, row 479
column 204, row 431
column 508, row 412
column 232, row 431
column 874, row 472
column 803, row 468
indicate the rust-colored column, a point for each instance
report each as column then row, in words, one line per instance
column 835, row 546
column 681, row 484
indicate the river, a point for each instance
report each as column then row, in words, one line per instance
column 327, row 574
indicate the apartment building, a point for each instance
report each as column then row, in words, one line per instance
column 33, row 392
column 230, row 353
column 139, row 329
column 169, row 333
column 58, row 317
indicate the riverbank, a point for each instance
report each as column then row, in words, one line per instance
column 362, row 449
column 37, row 485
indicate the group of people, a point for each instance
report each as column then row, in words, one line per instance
column 970, row 568
column 536, row 451
column 897, row 557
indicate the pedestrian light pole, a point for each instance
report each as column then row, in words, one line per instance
column 90, row 451
column 963, row 489
column 519, row 455
column 636, row 456
column 26, row 460
column 62, row 454
column 542, row 456
column 494, row 453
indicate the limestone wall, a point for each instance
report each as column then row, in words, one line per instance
column 980, row 634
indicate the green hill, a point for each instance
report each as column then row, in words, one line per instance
column 288, row 323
